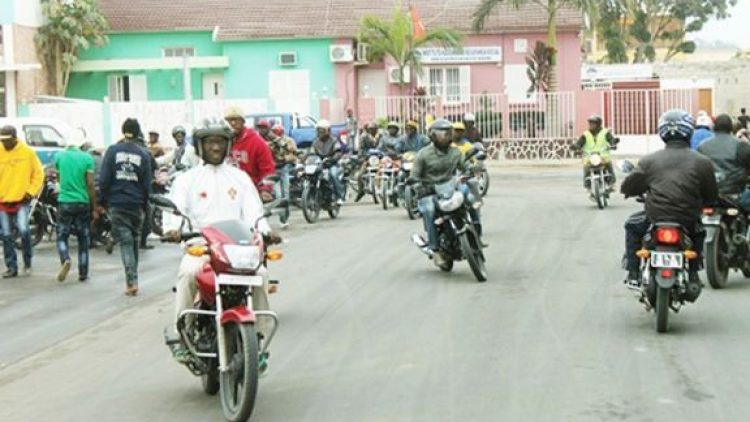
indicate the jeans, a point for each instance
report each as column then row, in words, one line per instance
column 126, row 229
column 338, row 185
column 637, row 227
column 146, row 226
column 427, row 208
column 744, row 200
column 282, row 189
column 9, row 242
column 76, row 215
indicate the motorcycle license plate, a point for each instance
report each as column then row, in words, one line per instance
column 667, row 260
column 711, row 219
column 240, row 280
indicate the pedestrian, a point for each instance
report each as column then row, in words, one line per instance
column 146, row 226
column 154, row 147
column 249, row 151
column 21, row 179
column 351, row 129
column 125, row 183
column 743, row 118
column 77, row 207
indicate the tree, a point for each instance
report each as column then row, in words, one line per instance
column 71, row 26
column 538, row 69
column 552, row 7
column 395, row 38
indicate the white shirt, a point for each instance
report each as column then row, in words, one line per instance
column 209, row 194
column 188, row 159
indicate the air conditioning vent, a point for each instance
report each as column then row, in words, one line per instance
column 288, row 58
column 341, row 53
column 393, row 75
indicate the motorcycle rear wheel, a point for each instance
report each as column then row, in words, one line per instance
column 384, row 194
column 472, row 251
column 239, row 383
column 410, row 203
column 717, row 268
column 310, row 204
column 662, row 309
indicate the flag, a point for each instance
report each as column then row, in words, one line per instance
column 417, row 27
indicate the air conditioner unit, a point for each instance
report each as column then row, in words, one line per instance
column 393, row 75
column 362, row 50
column 288, row 58
column 341, row 53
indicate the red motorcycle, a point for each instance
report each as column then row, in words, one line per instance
column 225, row 348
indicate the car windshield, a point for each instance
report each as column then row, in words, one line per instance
column 42, row 136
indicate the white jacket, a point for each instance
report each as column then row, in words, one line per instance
column 209, row 194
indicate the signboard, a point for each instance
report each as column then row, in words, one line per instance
column 461, row 55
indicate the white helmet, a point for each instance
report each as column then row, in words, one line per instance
column 323, row 124
column 469, row 117
column 705, row 121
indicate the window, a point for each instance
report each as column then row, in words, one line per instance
column 42, row 136
column 127, row 88
column 450, row 83
column 307, row 122
column 520, row 45
column 178, row 51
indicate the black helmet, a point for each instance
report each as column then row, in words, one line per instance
column 676, row 125
column 595, row 118
column 178, row 129
column 441, row 128
column 212, row 127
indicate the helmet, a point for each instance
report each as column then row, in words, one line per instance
column 441, row 128
column 393, row 123
column 469, row 117
column 705, row 121
column 412, row 123
column 278, row 130
column 595, row 118
column 211, row 127
column 263, row 123
column 676, row 125
column 323, row 124
column 459, row 126
column 178, row 129
column 371, row 125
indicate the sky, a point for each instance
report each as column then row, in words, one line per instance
column 733, row 30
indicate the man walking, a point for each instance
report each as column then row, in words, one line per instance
column 76, row 207
column 125, row 185
column 21, row 179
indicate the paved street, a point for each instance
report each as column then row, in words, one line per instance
column 371, row 331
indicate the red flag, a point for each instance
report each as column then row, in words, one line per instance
column 418, row 29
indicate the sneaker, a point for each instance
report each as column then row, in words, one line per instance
column 64, row 269
column 10, row 274
column 263, row 364
column 146, row 247
column 27, row 270
column 634, row 279
column 360, row 195
column 339, row 202
column 132, row 290
column 83, row 278
column 284, row 225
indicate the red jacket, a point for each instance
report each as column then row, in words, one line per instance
column 253, row 156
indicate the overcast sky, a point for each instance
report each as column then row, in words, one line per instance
column 733, row 30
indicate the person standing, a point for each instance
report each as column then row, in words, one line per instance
column 21, row 179
column 125, row 183
column 743, row 118
column 77, row 207
column 249, row 151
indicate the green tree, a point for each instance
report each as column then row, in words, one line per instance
column 552, row 7
column 70, row 27
column 395, row 38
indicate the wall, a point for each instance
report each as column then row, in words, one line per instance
column 29, row 83
column 7, row 11
column 28, row 12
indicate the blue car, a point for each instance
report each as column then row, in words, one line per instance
column 300, row 128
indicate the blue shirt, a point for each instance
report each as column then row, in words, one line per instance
column 700, row 135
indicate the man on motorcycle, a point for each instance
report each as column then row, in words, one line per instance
column 413, row 141
column 472, row 132
column 597, row 140
column 249, row 151
column 329, row 148
column 213, row 192
column 731, row 159
column 703, row 130
column 370, row 139
column 678, row 182
column 284, row 151
column 182, row 157
column 390, row 141
column 459, row 138
column 435, row 164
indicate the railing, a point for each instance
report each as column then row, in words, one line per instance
column 636, row 112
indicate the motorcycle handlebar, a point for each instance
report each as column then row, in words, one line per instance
column 183, row 237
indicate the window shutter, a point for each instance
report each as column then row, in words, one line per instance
column 465, row 78
column 423, row 82
column 138, row 90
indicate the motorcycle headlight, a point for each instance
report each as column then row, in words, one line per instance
column 311, row 169
column 451, row 204
column 595, row 160
column 243, row 257
column 373, row 161
column 408, row 166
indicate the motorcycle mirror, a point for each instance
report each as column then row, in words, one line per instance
column 626, row 166
column 478, row 146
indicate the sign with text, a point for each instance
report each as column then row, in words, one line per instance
column 461, row 55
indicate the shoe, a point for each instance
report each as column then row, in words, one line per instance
column 633, row 280
column 132, row 290
column 694, row 287
column 339, row 202
column 285, row 225
column 483, row 244
column 263, row 364
column 64, row 269
column 27, row 270
column 83, row 278
column 360, row 195
column 146, row 247
column 10, row 274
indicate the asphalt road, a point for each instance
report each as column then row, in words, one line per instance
column 372, row 332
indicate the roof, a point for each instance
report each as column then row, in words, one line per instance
column 258, row 19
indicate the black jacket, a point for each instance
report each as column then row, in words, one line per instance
column 731, row 160
column 678, row 183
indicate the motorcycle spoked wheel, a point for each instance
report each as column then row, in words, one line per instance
column 599, row 194
column 662, row 309
column 717, row 265
column 384, row 197
column 310, row 203
column 410, row 203
column 472, row 251
column 484, row 182
column 239, row 383
column 157, row 218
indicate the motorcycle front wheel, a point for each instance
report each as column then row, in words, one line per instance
column 717, row 267
column 484, row 182
column 410, row 203
column 310, row 204
column 598, row 194
column 239, row 383
column 384, row 193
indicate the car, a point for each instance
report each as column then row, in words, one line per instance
column 45, row 136
column 298, row 127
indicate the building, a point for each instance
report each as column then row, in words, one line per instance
column 21, row 76
column 297, row 53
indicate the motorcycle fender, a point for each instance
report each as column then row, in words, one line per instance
column 665, row 283
column 238, row 315
column 711, row 231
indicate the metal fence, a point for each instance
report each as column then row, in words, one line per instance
column 636, row 112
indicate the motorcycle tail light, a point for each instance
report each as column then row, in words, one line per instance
column 668, row 235
column 709, row 211
column 666, row 273
column 691, row 255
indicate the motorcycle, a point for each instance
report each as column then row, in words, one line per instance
column 457, row 232
column 409, row 194
column 317, row 189
column 370, row 175
column 224, row 346
column 163, row 179
column 389, row 168
column 598, row 179
column 727, row 243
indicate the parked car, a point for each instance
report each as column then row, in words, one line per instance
column 46, row 136
column 300, row 128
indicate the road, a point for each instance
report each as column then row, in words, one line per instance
column 372, row 332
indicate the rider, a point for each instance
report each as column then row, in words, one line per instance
column 435, row 164
column 459, row 138
column 206, row 194
column 731, row 159
column 473, row 134
column 597, row 140
column 389, row 142
column 370, row 139
column 182, row 157
column 703, row 130
column 284, row 151
column 327, row 147
column 678, row 183
column 413, row 141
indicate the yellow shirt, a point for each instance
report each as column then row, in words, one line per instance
column 464, row 147
column 21, row 173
